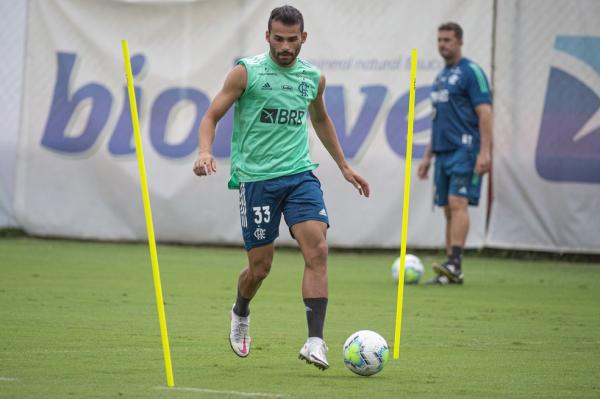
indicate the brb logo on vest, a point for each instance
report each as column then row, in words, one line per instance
column 282, row 116
column 568, row 147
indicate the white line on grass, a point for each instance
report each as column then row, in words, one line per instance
column 7, row 379
column 69, row 351
column 217, row 392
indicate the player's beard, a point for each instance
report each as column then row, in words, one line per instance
column 281, row 58
column 449, row 56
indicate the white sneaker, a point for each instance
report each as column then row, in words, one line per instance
column 238, row 336
column 314, row 352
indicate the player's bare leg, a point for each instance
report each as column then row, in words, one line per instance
column 312, row 238
column 459, row 227
column 448, row 216
column 259, row 266
column 458, row 230
column 250, row 279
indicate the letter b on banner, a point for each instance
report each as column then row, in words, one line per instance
column 62, row 109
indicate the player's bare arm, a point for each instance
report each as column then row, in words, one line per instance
column 326, row 132
column 484, row 159
column 234, row 86
column 423, row 169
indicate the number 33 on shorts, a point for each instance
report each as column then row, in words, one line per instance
column 262, row 213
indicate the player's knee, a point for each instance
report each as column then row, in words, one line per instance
column 457, row 204
column 260, row 269
column 316, row 255
column 261, row 272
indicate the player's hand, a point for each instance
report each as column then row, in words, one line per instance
column 356, row 180
column 483, row 164
column 423, row 169
column 205, row 164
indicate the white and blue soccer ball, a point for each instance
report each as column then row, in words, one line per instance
column 365, row 353
column 413, row 269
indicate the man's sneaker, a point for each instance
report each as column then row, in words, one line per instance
column 439, row 279
column 450, row 270
column 238, row 336
column 314, row 352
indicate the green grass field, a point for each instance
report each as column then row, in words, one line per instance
column 78, row 320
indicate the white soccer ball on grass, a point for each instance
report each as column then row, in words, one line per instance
column 365, row 353
column 413, row 269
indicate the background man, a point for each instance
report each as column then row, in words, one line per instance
column 274, row 93
column 461, row 142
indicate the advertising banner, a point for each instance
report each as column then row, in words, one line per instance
column 77, row 174
column 547, row 127
column 12, row 45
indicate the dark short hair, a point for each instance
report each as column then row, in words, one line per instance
column 287, row 15
column 454, row 27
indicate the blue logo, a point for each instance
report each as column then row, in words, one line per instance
column 568, row 148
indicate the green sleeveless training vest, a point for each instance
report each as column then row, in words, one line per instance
column 270, row 126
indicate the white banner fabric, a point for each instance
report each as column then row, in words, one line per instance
column 547, row 127
column 12, row 45
column 77, row 174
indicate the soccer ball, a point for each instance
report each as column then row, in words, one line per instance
column 413, row 269
column 365, row 353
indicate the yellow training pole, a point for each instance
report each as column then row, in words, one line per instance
column 148, row 213
column 409, row 138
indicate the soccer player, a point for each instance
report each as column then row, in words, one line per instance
column 461, row 141
column 274, row 93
